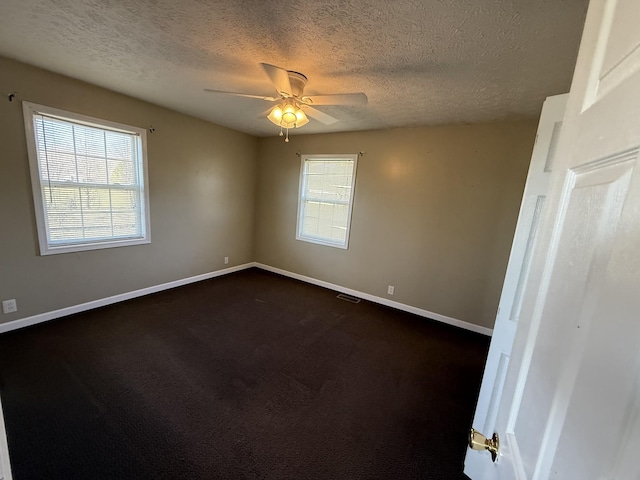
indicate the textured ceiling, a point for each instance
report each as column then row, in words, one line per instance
column 419, row 61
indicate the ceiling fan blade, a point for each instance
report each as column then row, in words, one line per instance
column 279, row 77
column 320, row 116
column 336, row 99
column 247, row 95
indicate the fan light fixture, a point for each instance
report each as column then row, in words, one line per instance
column 287, row 115
column 291, row 100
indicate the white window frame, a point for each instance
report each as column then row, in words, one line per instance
column 48, row 248
column 302, row 187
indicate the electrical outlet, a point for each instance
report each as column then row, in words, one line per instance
column 391, row 289
column 9, row 306
column 226, row 260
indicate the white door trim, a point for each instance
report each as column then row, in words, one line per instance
column 5, row 465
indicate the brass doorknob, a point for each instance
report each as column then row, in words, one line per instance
column 478, row 441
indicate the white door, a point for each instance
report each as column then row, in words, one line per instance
column 5, row 469
column 570, row 405
column 517, row 274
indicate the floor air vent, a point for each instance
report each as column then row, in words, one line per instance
column 348, row 298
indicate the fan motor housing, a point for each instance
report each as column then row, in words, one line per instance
column 298, row 82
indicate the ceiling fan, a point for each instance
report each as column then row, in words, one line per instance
column 293, row 106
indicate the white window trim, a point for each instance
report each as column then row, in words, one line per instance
column 31, row 109
column 301, row 186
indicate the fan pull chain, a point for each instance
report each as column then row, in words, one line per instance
column 286, row 139
column 281, row 134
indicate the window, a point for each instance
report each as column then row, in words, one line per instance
column 326, row 198
column 89, row 181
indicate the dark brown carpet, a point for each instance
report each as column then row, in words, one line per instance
column 247, row 376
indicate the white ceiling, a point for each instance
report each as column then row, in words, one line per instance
column 420, row 62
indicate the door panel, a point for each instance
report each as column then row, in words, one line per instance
column 516, row 307
column 553, row 146
column 605, row 363
column 621, row 49
column 496, row 392
column 593, row 209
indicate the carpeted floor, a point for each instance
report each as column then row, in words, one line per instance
column 247, row 376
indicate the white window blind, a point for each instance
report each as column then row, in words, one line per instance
column 326, row 199
column 88, row 181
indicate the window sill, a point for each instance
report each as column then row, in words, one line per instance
column 326, row 243
column 81, row 247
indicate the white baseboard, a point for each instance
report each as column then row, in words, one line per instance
column 45, row 317
column 384, row 301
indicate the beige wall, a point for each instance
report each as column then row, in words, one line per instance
column 434, row 213
column 202, row 182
